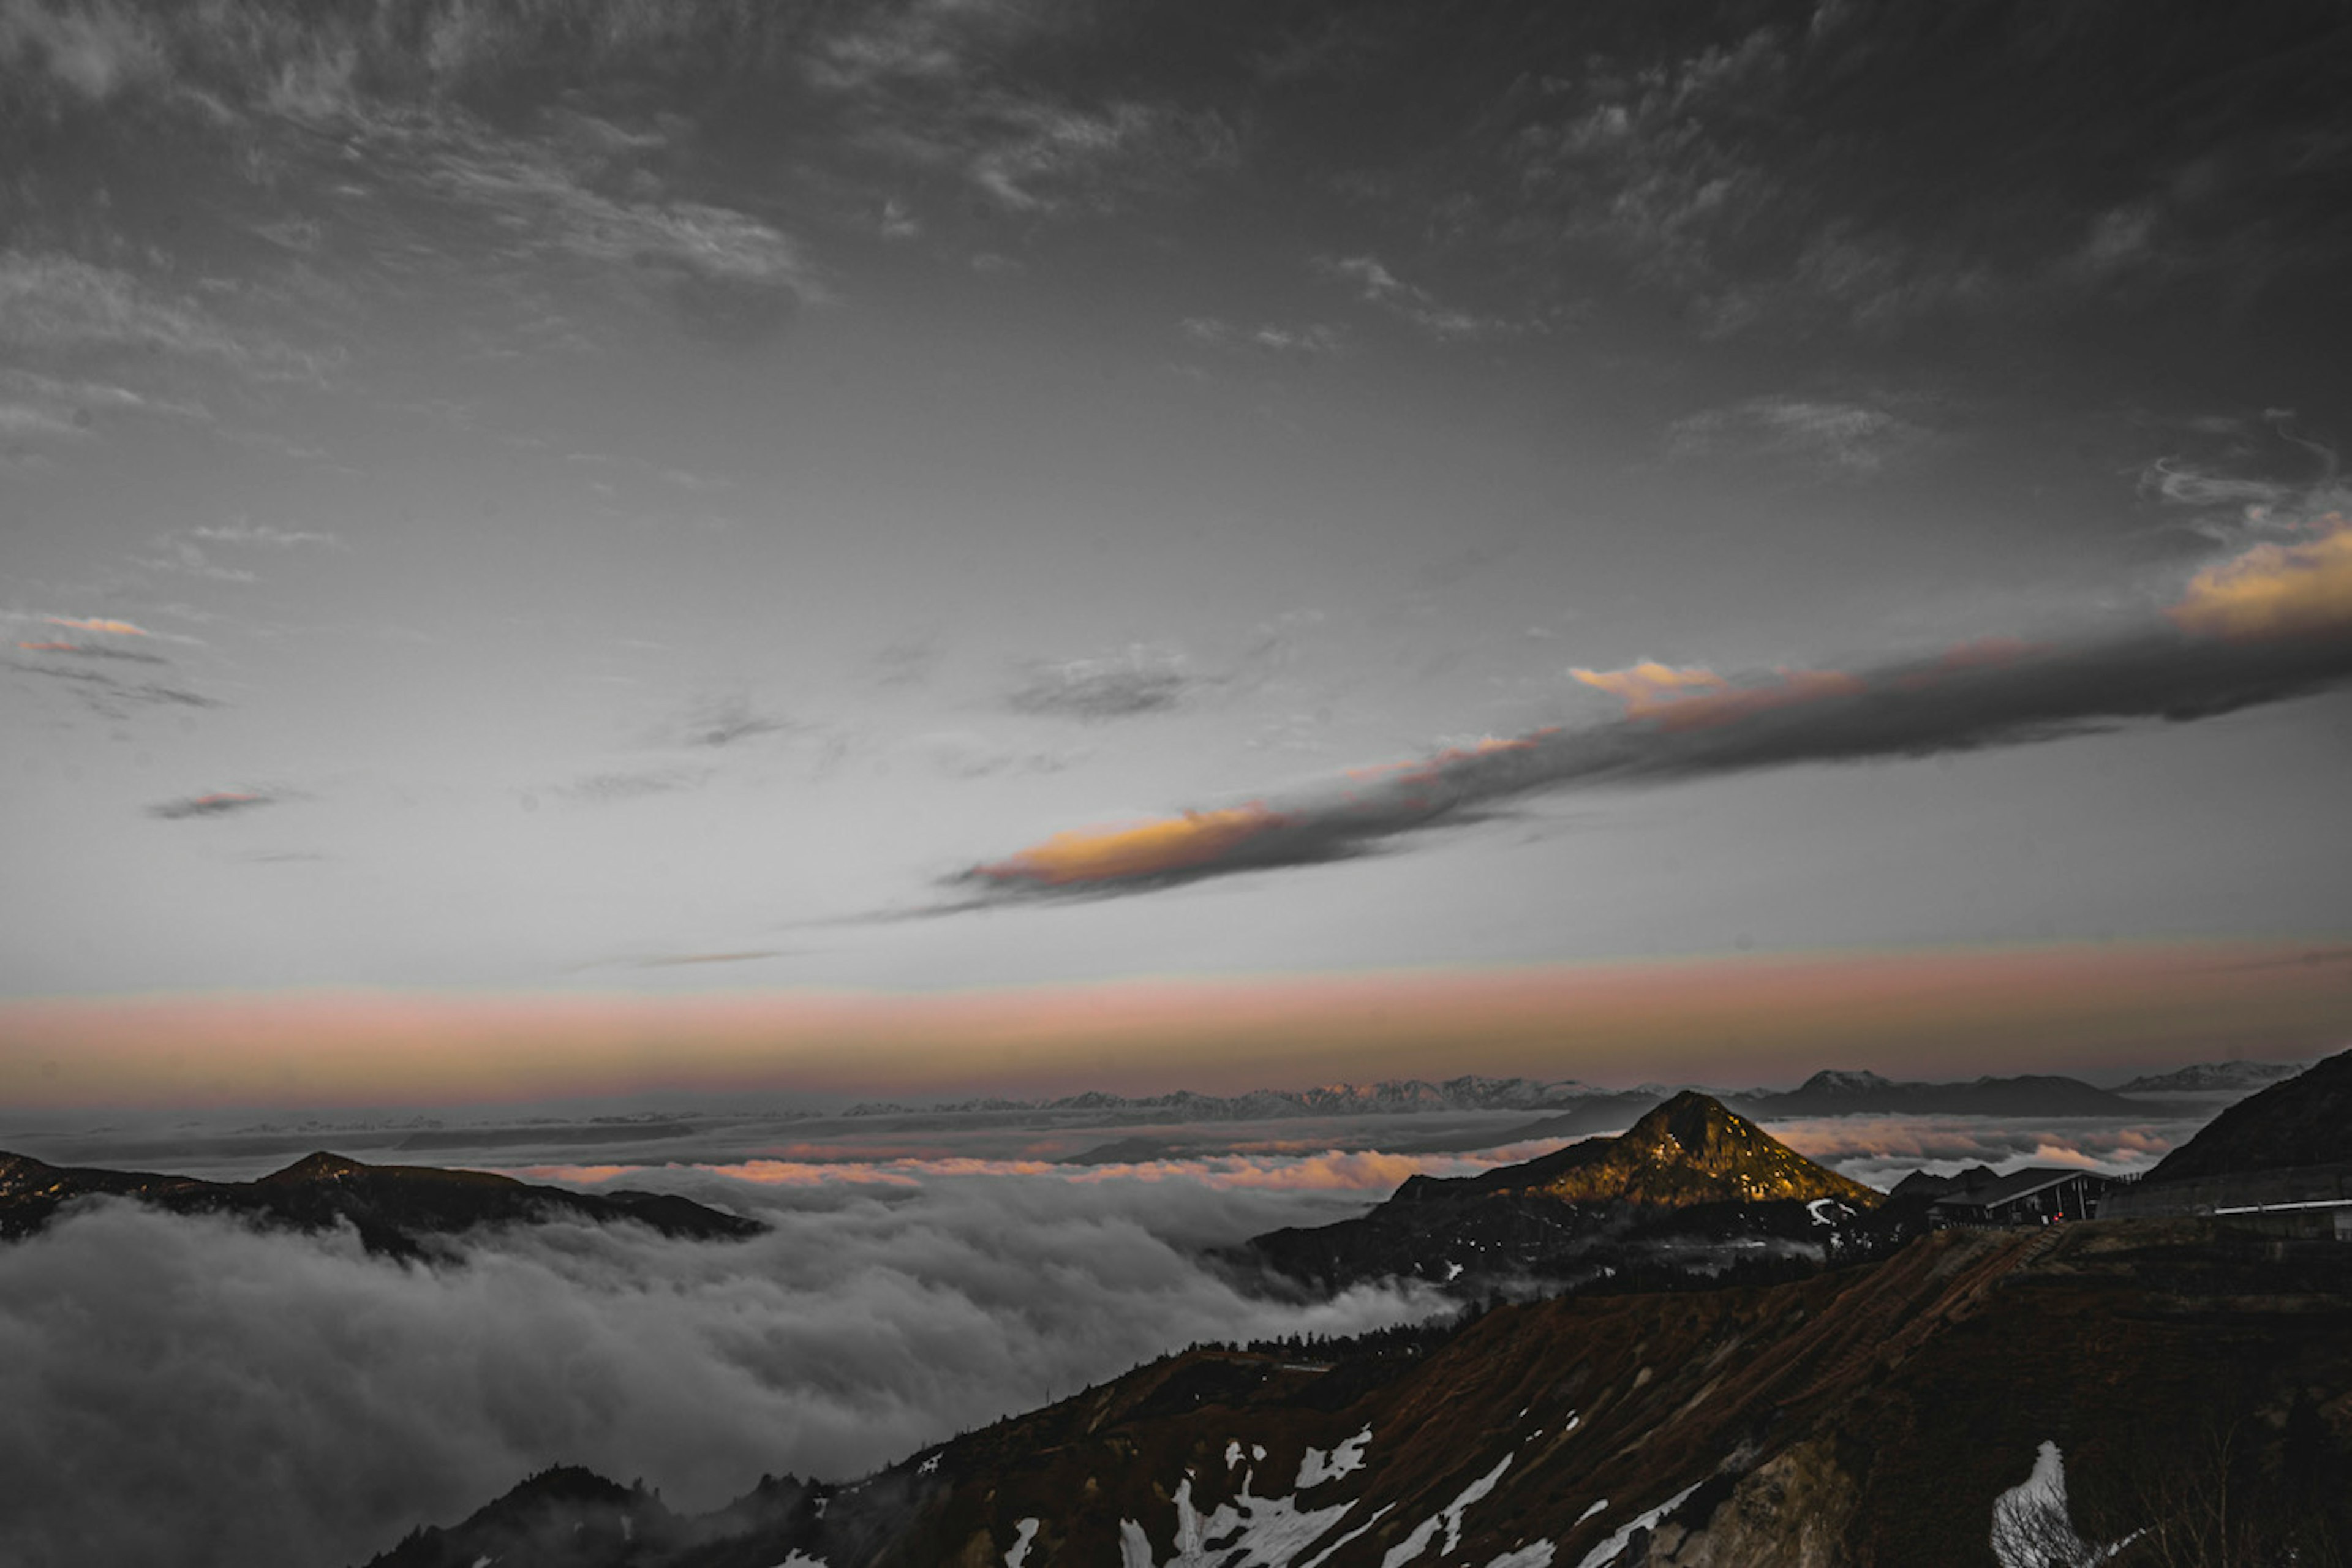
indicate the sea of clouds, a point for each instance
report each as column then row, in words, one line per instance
column 192, row 1391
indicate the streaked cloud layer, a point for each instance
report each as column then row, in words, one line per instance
column 2271, row 623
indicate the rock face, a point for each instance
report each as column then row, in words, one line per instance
column 1692, row 1185
column 394, row 1208
column 2303, row 1121
column 1869, row 1416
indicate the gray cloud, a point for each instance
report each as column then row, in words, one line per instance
column 2273, row 624
column 227, row 803
column 109, row 696
column 1140, row 680
column 184, row 1390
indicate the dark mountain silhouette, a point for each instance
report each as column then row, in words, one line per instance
column 394, row 1208
column 1836, row 1093
column 2303, row 1121
column 1691, row 1182
column 1863, row 1416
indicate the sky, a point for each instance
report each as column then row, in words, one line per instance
column 980, row 544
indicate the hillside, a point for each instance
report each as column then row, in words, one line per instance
column 394, row 1208
column 1691, row 1187
column 1871, row 1416
column 2301, row 1120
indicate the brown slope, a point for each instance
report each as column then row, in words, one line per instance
column 1868, row 1416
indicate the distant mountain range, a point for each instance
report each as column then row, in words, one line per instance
column 2304, row 1121
column 394, row 1208
column 2209, row 1077
column 1583, row 1107
column 2054, row 1394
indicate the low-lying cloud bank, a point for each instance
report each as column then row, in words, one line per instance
column 189, row 1391
column 1880, row 1150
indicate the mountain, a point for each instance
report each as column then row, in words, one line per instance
column 2301, row 1120
column 1390, row 1097
column 394, row 1208
column 2211, row 1078
column 1836, row 1093
column 2068, row 1387
column 1692, row 1183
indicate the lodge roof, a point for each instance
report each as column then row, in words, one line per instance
column 2014, row 1186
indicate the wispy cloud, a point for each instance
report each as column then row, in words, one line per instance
column 1838, row 439
column 106, row 625
column 2272, row 622
column 55, row 302
column 262, row 534
column 1306, row 340
column 612, row 788
column 95, row 650
column 1140, row 680
column 224, row 802
column 1372, row 283
column 109, row 696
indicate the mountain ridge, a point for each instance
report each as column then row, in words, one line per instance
column 395, row 1209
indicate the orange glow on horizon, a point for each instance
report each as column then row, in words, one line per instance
column 1952, row 1012
column 1143, row 850
column 2274, row 590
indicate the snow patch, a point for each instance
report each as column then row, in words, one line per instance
column 1601, row 1507
column 2032, row 1527
column 929, row 1467
column 1609, row 1548
column 1325, row 1555
column 1450, row 1516
column 1232, row 1453
column 1816, row 1206
column 1316, row 1468
column 1250, row 1533
column 1535, row 1554
column 797, row 1561
column 1024, row 1532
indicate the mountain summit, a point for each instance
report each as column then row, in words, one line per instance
column 1689, row 1188
column 1691, row 1150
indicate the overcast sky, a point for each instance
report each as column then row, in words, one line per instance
column 801, row 501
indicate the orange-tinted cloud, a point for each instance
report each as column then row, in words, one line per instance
column 1143, row 850
column 1646, row 687
column 118, row 628
column 2275, row 590
column 1694, row 699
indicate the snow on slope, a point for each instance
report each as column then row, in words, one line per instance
column 1315, row 1468
column 1450, row 1516
column 1609, row 1548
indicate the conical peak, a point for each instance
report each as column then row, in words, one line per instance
column 1698, row 1123
column 321, row 1165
